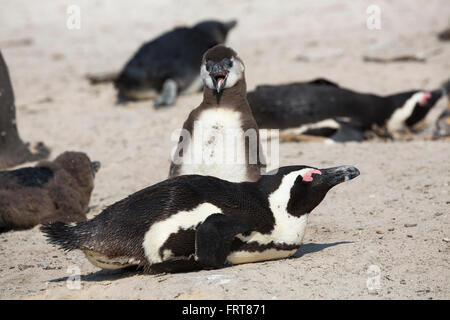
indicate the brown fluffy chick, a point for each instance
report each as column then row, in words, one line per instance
column 51, row 191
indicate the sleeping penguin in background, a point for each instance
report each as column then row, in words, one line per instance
column 168, row 65
column 51, row 191
column 321, row 107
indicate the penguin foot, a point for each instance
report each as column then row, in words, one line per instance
column 168, row 94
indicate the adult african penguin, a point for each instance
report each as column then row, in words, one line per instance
column 306, row 105
column 220, row 137
column 51, row 191
column 192, row 222
column 168, row 65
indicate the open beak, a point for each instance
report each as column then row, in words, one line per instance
column 219, row 75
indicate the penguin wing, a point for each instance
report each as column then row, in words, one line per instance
column 214, row 237
column 25, row 177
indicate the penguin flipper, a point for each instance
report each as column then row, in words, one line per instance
column 168, row 94
column 214, row 237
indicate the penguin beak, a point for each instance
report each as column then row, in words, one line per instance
column 219, row 75
column 334, row 176
column 95, row 166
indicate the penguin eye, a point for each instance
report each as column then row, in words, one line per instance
column 228, row 63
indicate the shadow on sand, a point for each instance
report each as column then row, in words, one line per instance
column 110, row 275
column 104, row 275
column 316, row 247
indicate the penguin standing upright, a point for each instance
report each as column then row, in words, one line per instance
column 192, row 222
column 168, row 65
column 220, row 137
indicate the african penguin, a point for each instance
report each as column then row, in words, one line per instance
column 220, row 137
column 13, row 151
column 51, row 191
column 168, row 65
column 192, row 222
column 306, row 105
column 442, row 125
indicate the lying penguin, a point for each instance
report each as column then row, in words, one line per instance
column 193, row 222
column 310, row 106
column 168, row 65
column 220, row 136
column 51, row 191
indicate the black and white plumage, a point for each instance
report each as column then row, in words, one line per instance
column 192, row 222
column 168, row 65
column 220, row 137
column 319, row 103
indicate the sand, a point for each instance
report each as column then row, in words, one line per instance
column 356, row 245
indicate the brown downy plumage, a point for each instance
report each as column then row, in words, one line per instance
column 51, row 191
column 223, row 114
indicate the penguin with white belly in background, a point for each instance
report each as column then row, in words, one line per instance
column 196, row 222
column 220, row 137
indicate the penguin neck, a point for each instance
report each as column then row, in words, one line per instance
column 236, row 96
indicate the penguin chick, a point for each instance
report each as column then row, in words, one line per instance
column 192, row 222
column 51, row 191
column 168, row 65
column 220, row 136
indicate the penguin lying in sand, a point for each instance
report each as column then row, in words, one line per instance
column 193, row 222
column 51, row 191
column 220, row 137
column 310, row 106
column 168, row 65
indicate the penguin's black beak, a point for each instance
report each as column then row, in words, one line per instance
column 334, row 176
column 95, row 166
column 219, row 74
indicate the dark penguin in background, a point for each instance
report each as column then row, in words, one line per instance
column 306, row 105
column 193, row 222
column 220, row 137
column 13, row 151
column 51, row 191
column 442, row 125
column 168, row 65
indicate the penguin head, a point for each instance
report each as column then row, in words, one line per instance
column 79, row 166
column 426, row 101
column 300, row 189
column 412, row 107
column 216, row 29
column 221, row 68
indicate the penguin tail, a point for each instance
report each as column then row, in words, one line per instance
column 65, row 235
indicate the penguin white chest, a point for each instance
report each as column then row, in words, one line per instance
column 217, row 146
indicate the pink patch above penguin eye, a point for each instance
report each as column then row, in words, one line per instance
column 307, row 177
column 425, row 97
